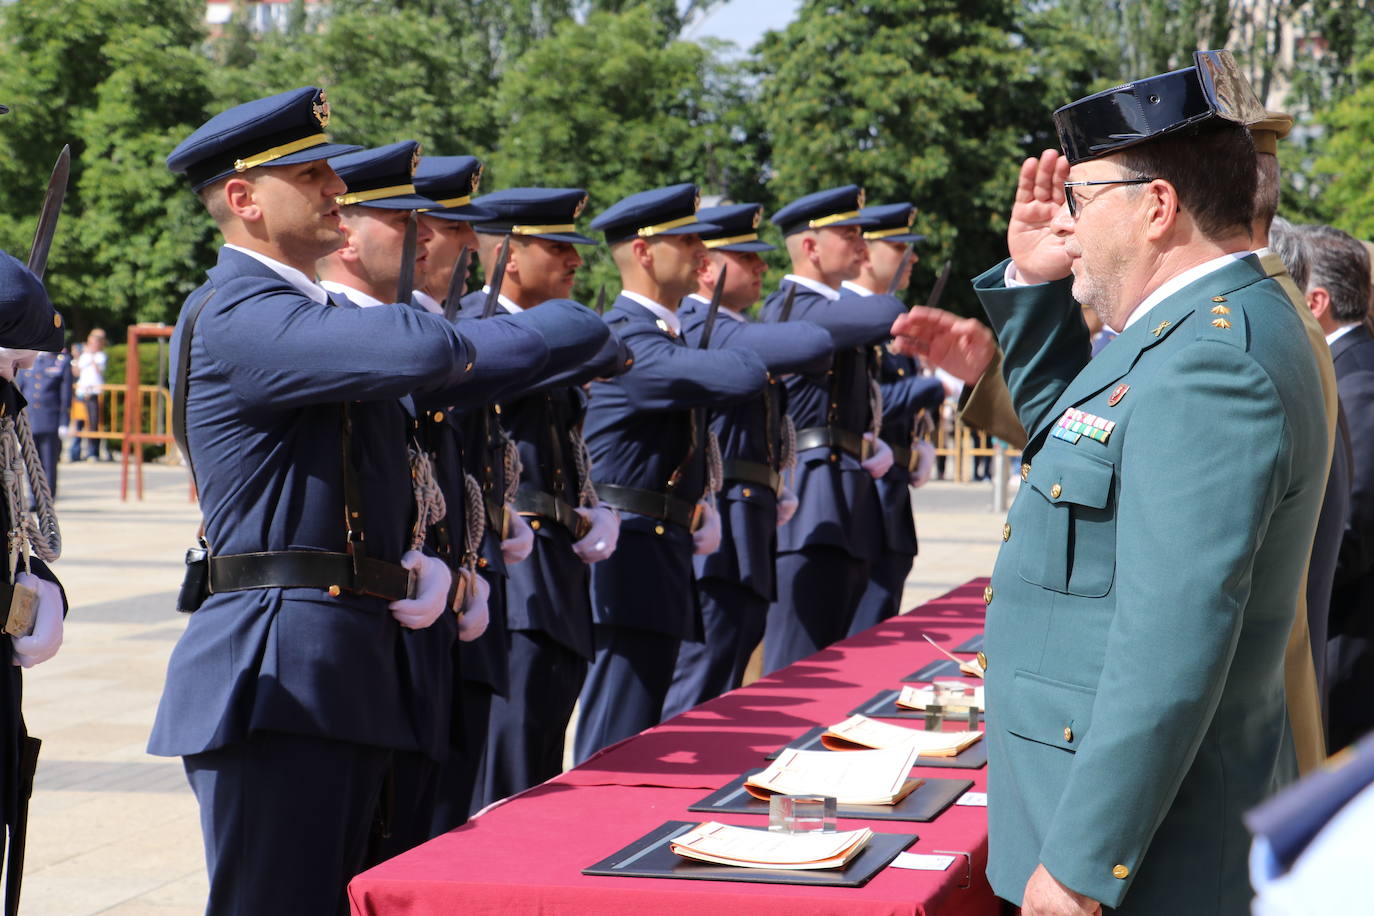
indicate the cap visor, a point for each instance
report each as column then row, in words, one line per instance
column 692, row 229
column 905, row 237
column 399, row 202
column 322, row 151
column 468, row 213
column 747, row 246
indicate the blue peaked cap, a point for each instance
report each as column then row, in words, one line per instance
column 832, row 207
column 739, row 228
column 890, row 223
column 451, row 181
column 540, row 213
column 662, row 211
column 22, row 294
column 283, row 129
column 383, row 178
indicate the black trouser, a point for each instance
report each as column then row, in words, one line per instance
column 49, row 447
column 286, row 821
column 625, row 688
column 732, row 617
column 819, row 588
column 525, row 743
column 883, row 596
column 460, row 776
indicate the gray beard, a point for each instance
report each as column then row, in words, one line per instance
column 1100, row 291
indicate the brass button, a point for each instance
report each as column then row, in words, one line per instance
column 1025, row 469
column 748, row 492
column 901, row 372
column 834, row 457
column 987, row 594
column 1055, row 491
column 983, row 660
column 535, row 524
column 497, row 408
column 1121, row 872
column 658, row 529
column 1006, row 532
column 438, row 416
column 468, row 367
column 57, row 321
column 1068, row 733
column 481, row 562
column 334, row 591
column 629, row 362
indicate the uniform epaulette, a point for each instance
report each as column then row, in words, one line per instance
column 1223, row 319
column 617, row 320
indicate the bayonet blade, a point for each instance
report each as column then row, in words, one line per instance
column 939, row 288
column 714, row 309
column 457, row 284
column 52, row 209
column 786, row 311
column 601, row 300
column 498, row 275
column 901, row 269
column 405, row 283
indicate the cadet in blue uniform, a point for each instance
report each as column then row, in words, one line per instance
column 47, row 387
column 826, row 551
column 647, row 435
column 735, row 583
column 906, row 394
column 548, row 603
column 290, row 690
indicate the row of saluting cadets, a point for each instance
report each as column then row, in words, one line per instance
column 552, row 504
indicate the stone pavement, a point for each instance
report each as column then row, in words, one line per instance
column 113, row 830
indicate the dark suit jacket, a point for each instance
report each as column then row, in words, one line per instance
column 47, row 386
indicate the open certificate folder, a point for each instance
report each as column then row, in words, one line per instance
column 860, row 732
column 860, row 778
column 748, row 847
column 953, row 694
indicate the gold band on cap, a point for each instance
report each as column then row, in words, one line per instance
column 276, row 152
column 455, row 201
column 358, row 197
column 824, row 221
column 650, row 231
column 888, row 233
column 542, row 230
column 731, row 240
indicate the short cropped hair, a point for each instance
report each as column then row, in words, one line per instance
column 1213, row 168
column 1290, row 244
column 1340, row 265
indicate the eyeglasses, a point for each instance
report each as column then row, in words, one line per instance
column 1072, row 197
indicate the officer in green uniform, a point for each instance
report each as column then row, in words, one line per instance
column 1139, row 609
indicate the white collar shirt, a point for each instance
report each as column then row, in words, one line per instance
column 291, row 275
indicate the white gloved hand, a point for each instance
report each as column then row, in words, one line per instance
column 473, row 620
column 11, row 361
column 46, row 638
column 518, row 546
column 880, row 462
column 706, row 539
column 925, row 463
column 62, row 431
column 787, row 506
column 600, row 540
column 431, row 593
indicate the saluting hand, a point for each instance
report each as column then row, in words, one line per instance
column 1035, row 247
column 963, row 347
column 1045, row 896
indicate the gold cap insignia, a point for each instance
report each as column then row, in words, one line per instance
column 414, row 160
column 696, row 202
column 477, row 178
column 581, row 205
column 860, row 202
column 910, row 217
column 321, row 109
column 758, row 217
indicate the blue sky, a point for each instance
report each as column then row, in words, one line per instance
column 744, row 21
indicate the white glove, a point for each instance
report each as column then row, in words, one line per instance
column 62, row 431
column 517, row 547
column 11, row 361
column 431, row 595
column 925, row 463
column 787, row 506
column 46, row 638
column 706, row 539
column 473, row 619
column 880, row 462
column 600, row 540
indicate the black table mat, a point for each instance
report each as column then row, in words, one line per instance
column 973, row 644
column 924, row 804
column 941, row 667
column 650, row 857
column 973, row 757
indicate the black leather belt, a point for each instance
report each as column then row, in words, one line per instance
column 751, row 472
column 905, row 457
column 332, row 572
column 529, row 501
column 835, row 438
column 652, row 503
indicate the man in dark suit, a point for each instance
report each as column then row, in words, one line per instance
column 1338, row 292
column 47, row 386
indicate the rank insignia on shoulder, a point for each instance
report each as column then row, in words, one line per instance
column 1078, row 423
column 665, row 327
column 1117, row 395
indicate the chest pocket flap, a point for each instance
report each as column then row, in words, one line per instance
column 1072, row 522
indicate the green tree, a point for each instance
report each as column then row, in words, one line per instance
column 1348, row 190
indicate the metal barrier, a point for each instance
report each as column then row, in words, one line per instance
column 155, row 404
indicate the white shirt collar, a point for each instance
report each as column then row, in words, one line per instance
column 668, row 316
column 1169, row 287
column 507, row 304
column 856, row 288
column 428, row 302
column 1340, row 332
column 724, row 309
column 291, row 275
column 815, row 286
column 359, row 298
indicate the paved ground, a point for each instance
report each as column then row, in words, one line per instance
column 114, row 830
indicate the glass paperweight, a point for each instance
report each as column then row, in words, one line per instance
column 801, row 813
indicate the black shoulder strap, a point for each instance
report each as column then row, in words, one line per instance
column 188, row 330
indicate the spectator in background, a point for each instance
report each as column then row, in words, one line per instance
column 90, row 375
column 47, row 387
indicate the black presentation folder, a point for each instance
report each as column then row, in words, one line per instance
column 941, row 667
column 650, row 857
column 973, row 757
column 973, row 644
column 925, row 804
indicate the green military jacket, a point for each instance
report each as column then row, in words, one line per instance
column 1143, row 597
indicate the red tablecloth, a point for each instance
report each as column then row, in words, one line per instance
column 526, row 854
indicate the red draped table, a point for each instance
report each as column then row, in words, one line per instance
column 525, row 855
